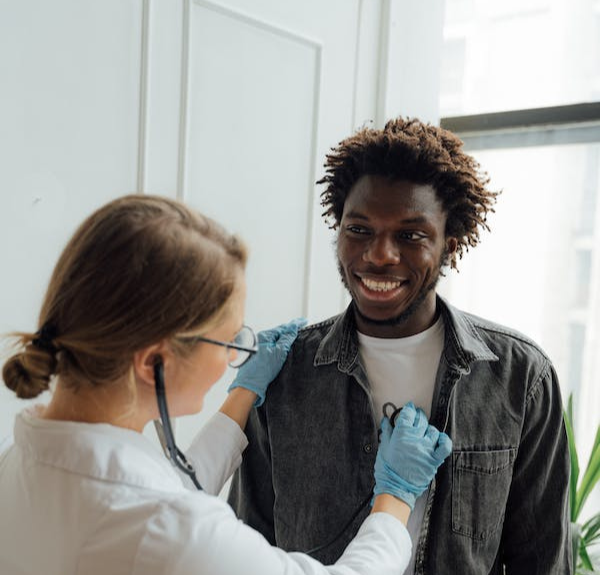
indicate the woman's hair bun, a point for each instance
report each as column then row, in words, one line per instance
column 28, row 373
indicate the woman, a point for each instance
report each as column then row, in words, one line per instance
column 145, row 309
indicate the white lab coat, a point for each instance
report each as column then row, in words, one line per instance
column 94, row 499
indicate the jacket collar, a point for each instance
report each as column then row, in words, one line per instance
column 340, row 343
column 463, row 345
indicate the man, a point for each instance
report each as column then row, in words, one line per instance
column 407, row 201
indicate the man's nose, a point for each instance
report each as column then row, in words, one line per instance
column 382, row 251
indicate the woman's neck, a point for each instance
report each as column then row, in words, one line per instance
column 118, row 404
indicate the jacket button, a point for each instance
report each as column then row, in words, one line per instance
column 368, row 448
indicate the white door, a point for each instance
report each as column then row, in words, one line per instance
column 267, row 87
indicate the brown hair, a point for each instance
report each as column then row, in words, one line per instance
column 138, row 270
column 407, row 149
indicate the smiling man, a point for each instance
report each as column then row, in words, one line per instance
column 391, row 248
column 407, row 202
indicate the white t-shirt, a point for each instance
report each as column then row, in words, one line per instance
column 94, row 499
column 402, row 370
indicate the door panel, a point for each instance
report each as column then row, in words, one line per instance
column 256, row 84
column 250, row 164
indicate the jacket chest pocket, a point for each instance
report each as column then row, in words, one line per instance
column 480, row 485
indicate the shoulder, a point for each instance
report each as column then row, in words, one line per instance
column 311, row 336
column 496, row 332
column 320, row 327
column 515, row 357
column 300, row 364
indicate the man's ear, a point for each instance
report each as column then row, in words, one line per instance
column 451, row 245
column 145, row 359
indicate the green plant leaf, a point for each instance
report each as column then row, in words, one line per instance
column 591, row 475
column 585, row 558
column 568, row 417
column 569, row 411
column 575, row 541
column 589, row 534
column 590, row 531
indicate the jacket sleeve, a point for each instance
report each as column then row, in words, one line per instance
column 536, row 534
column 251, row 493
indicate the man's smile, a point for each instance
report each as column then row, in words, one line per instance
column 383, row 288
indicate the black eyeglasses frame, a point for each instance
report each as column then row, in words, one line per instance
column 227, row 344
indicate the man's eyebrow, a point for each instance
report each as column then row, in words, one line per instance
column 410, row 221
column 415, row 220
column 356, row 216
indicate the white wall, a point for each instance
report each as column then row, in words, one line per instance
column 228, row 105
column 69, row 108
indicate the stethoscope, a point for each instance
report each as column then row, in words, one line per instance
column 392, row 412
column 164, row 429
column 245, row 341
column 179, row 460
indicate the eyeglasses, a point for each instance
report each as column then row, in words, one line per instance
column 244, row 343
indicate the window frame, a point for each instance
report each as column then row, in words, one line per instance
column 551, row 126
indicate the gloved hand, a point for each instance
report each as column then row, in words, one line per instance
column 261, row 369
column 409, row 455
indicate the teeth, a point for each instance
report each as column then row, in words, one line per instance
column 380, row 286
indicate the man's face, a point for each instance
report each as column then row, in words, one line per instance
column 391, row 246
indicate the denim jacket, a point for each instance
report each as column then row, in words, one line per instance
column 498, row 504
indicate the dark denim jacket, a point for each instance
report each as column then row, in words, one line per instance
column 499, row 504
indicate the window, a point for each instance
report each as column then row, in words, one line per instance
column 527, row 108
column 522, row 54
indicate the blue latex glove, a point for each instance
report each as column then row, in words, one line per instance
column 261, row 369
column 409, row 455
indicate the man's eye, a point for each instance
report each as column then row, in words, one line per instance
column 357, row 230
column 412, row 236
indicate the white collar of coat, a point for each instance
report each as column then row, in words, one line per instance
column 96, row 450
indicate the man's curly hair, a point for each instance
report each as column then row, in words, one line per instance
column 408, row 149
